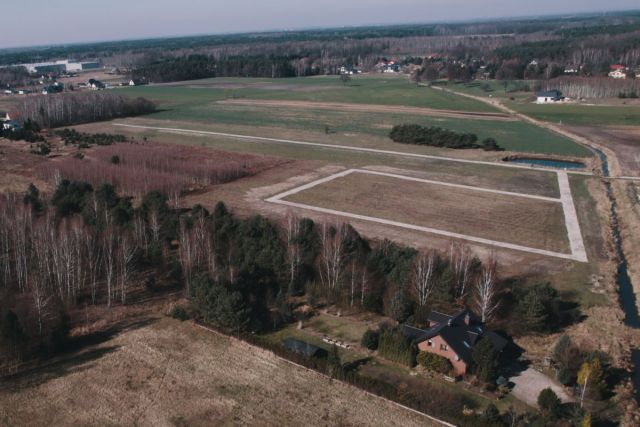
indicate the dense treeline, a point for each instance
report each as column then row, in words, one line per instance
column 439, row 137
column 75, row 108
column 85, row 140
column 201, row 66
column 89, row 245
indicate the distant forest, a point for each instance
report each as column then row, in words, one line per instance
column 505, row 49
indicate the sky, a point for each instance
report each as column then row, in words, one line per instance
column 44, row 22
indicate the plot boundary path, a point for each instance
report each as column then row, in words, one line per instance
column 259, row 139
column 578, row 252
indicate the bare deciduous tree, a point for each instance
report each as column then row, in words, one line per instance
column 292, row 238
column 332, row 254
column 460, row 257
column 486, row 290
column 423, row 280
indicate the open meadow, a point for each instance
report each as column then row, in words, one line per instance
column 167, row 373
column 362, row 111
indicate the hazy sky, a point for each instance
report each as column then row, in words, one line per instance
column 36, row 22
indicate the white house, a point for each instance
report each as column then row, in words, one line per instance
column 549, row 97
column 618, row 74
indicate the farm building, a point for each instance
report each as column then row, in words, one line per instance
column 453, row 337
column 304, row 348
column 549, row 97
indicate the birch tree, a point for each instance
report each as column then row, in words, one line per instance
column 423, row 281
column 486, row 291
column 332, row 254
column 126, row 252
column 461, row 258
column 292, row 238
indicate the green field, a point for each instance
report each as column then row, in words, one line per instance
column 588, row 115
column 391, row 90
column 570, row 114
column 198, row 102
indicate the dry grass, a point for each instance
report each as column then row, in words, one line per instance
column 534, row 223
column 147, row 167
column 173, row 373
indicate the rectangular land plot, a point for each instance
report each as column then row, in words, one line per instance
column 528, row 221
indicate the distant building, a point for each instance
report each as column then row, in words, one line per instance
column 95, row 84
column 54, row 88
column 454, row 337
column 572, row 69
column 136, row 82
column 349, row 70
column 549, row 97
column 618, row 71
column 304, row 348
column 6, row 123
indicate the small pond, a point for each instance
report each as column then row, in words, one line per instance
column 556, row 164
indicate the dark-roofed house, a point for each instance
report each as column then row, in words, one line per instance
column 304, row 348
column 549, row 96
column 453, row 337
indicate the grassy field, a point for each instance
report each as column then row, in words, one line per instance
column 574, row 114
column 200, row 102
column 570, row 114
column 533, row 223
column 169, row 373
column 387, row 90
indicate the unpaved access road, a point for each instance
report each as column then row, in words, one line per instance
column 529, row 383
column 371, row 108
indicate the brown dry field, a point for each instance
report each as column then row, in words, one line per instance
column 17, row 166
column 624, row 141
column 369, row 108
column 528, row 222
column 168, row 373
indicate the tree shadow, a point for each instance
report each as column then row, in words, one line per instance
column 39, row 375
column 76, row 355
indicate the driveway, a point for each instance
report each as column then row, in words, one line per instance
column 529, row 384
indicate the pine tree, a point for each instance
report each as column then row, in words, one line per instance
column 485, row 358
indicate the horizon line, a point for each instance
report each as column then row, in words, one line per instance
column 585, row 14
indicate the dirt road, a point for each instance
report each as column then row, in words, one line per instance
column 371, row 108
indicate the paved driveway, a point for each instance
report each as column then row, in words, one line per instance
column 529, row 384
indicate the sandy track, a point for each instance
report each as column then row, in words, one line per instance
column 371, row 108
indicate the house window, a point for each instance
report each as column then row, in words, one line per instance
column 430, row 343
column 444, row 347
column 457, row 358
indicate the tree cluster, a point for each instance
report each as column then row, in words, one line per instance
column 438, row 137
column 65, row 109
